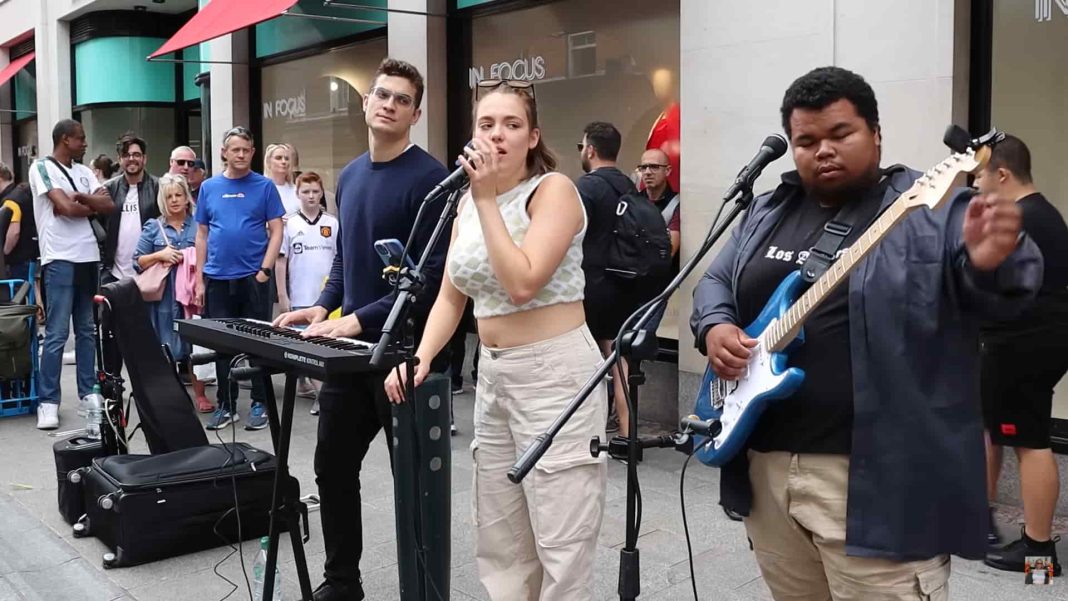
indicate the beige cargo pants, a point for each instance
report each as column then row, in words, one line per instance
column 538, row 540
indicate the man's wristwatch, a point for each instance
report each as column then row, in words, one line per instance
column 267, row 271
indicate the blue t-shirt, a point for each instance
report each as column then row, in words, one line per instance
column 236, row 212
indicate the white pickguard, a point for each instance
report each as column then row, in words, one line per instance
column 758, row 380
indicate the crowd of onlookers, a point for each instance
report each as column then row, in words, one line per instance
column 146, row 223
column 78, row 226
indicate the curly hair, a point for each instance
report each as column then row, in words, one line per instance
column 823, row 86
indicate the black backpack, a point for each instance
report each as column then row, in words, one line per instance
column 638, row 246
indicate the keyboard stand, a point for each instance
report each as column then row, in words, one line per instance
column 284, row 509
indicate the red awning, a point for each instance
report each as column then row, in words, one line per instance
column 15, row 66
column 220, row 17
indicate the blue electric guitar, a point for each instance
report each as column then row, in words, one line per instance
column 738, row 404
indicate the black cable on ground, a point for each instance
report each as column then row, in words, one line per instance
column 685, row 524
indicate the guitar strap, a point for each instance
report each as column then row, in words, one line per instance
column 823, row 254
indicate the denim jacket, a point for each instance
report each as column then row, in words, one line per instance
column 917, row 479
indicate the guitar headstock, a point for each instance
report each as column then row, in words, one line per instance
column 933, row 187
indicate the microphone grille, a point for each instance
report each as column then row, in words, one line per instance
column 777, row 143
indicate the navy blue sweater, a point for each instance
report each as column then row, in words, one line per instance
column 377, row 201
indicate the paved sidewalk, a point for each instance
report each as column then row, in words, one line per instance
column 40, row 560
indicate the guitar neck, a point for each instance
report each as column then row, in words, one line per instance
column 789, row 325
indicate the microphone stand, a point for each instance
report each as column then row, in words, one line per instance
column 396, row 345
column 636, row 345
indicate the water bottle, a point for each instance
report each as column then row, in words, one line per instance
column 258, row 568
column 94, row 417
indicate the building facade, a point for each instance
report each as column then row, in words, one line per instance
column 713, row 69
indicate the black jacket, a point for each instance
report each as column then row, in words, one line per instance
column 147, row 191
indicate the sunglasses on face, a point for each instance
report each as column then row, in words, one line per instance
column 650, row 167
column 183, row 162
column 383, row 95
column 520, row 85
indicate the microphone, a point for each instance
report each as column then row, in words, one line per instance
column 774, row 146
column 456, row 180
column 696, row 425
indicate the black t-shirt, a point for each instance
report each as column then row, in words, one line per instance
column 26, row 248
column 818, row 418
column 1045, row 225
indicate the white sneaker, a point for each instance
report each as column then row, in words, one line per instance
column 47, row 416
column 83, row 406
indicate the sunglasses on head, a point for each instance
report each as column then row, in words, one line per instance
column 520, row 85
column 239, row 131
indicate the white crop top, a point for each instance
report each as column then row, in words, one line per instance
column 469, row 266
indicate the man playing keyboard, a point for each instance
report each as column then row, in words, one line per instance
column 378, row 196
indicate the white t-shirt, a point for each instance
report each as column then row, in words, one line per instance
column 62, row 238
column 309, row 247
column 129, row 234
column 290, row 202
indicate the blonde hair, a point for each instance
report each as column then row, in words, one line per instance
column 168, row 181
column 271, row 149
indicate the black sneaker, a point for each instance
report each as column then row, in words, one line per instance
column 612, row 425
column 328, row 591
column 1013, row 556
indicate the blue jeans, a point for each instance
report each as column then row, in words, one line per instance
column 243, row 297
column 69, row 288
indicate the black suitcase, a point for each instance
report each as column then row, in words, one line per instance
column 149, row 507
column 72, row 454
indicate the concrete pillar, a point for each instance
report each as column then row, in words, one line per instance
column 420, row 40
column 230, row 94
column 7, row 132
column 54, row 99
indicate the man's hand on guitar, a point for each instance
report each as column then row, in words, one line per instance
column 728, row 350
column 305, row 316
column 991, row 230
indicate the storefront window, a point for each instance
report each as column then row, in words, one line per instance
column 592, row 60
column 1029, row 88
column 27, row 150
column 316, row 104
column 104, row 126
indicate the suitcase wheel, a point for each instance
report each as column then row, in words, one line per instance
column 81, row 527
column 109, row 561
column 106, row 502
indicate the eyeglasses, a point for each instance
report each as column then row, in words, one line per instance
column 650, row 167
column 519, row 85
column 184, row 162
column 133, row 155
column 384, row 95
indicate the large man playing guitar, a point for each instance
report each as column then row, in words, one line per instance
column 867, row 471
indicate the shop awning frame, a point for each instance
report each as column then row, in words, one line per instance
column 336, row 4
column 216, row 19
column 287, row 11
column 15, row 66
